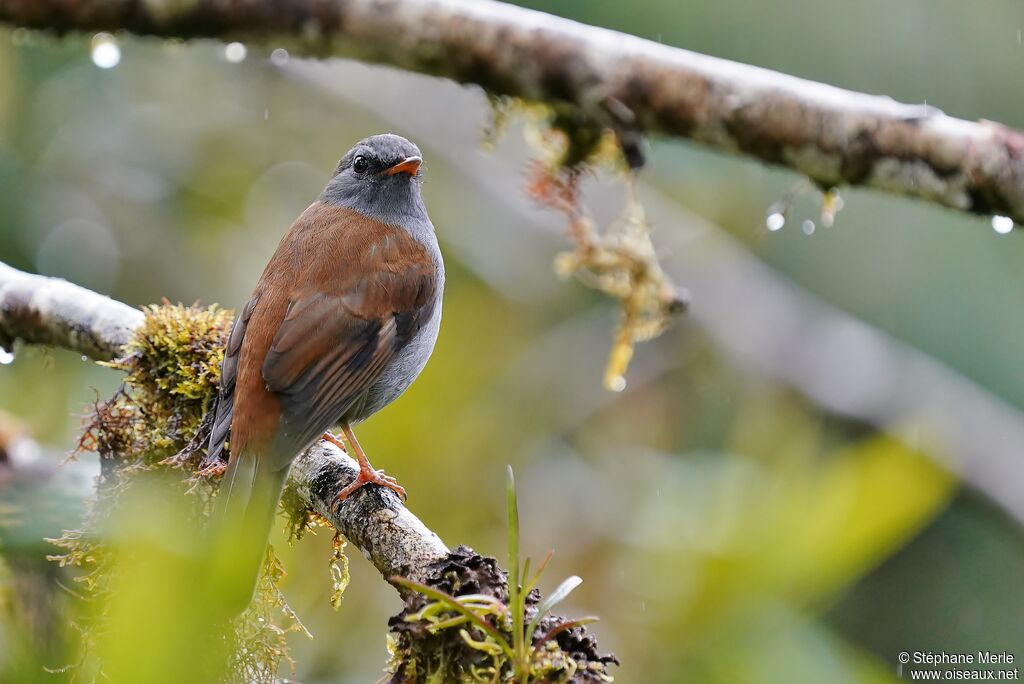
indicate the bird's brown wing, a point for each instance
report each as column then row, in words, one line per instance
column 360, row 299
column 228, row 377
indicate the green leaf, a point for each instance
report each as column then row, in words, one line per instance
column 560, row 593
column 554, row 598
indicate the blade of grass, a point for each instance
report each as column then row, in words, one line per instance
column 531, row 583
column 514, row 588
column 513, row 531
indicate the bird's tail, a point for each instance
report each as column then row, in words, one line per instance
column 241, row 525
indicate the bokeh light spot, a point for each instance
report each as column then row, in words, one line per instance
column 106, row 54
column 235, row 52
column 279, row 57
column 1002, row 224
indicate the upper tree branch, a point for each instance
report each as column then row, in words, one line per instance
column 831, row 135
column 51, row 311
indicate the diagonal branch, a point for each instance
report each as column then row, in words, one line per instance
column 42, row 310
column 833, row 136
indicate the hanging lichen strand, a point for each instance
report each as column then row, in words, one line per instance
column 619, row 261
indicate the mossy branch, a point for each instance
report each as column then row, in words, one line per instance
column 171, row 357
column 51, row 311
column 602, row 79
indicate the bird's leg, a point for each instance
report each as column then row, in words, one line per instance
column 367, row 475
column 333, row 439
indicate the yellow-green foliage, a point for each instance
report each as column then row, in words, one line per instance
column 148, row 435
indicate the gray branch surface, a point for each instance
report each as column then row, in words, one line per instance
column 833, row 136
column 41, row 310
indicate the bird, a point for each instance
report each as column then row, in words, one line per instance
column 339, row 325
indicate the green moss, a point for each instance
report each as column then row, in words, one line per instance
column 172, row 372
column 154, row 423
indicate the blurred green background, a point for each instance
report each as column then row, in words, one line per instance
column 817, row 469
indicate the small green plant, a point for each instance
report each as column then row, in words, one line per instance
column 508, row 633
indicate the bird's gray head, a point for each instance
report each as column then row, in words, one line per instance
column 380, row 177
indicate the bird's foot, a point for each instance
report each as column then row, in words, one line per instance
column 336, row 441
column 370, row 476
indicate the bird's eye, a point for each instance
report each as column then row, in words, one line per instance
column 360, row 164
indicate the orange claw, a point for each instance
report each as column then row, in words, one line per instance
column 329, row 437
column 372, row 476
column 367, row 474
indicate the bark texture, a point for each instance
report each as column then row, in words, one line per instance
column 376, row 522
column 603, row 78
column 52, row 311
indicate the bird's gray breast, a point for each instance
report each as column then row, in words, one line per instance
column 405, row 365
column 408, row 361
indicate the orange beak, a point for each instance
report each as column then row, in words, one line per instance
column 409, row 165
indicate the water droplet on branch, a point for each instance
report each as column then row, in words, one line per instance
column 1002, row 224
column 808, row 227
column 106, row 54
column 235, row 52
column 777, row 212
column 279, row 57
column 831, row 204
